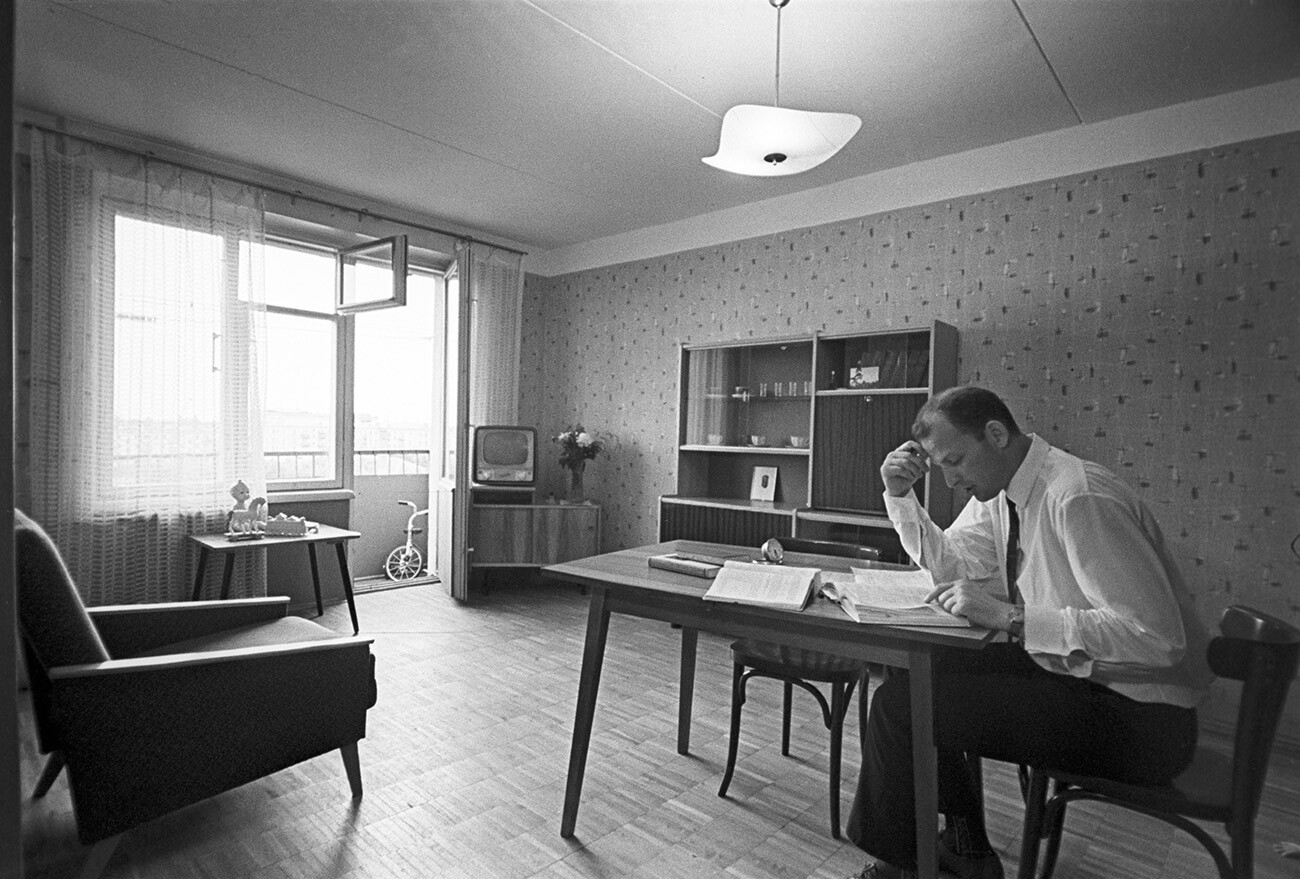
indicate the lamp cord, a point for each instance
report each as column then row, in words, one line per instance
column 777, row 101
column 779, row 5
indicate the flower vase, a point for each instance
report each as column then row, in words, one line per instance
column 577, row 494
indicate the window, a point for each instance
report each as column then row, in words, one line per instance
column 169, row 424
column 174, row 302
column 374, row 369
column 304, row 341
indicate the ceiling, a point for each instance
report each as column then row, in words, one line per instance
column 549, row 123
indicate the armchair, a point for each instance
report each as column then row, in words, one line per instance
column 154, row 707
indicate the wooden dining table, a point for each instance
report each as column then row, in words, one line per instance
column 623, row 582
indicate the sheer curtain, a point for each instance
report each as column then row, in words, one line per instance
column 147, row 327
column 495, row 294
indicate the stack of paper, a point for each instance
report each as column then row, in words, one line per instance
column 777, row 586
column 897, row 598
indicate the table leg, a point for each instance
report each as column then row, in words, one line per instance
column 347, row 584
column 315, row 577
column 593, row 657
column 686, row 692
column 925, row 769
column 225, row 575
column 198, row 575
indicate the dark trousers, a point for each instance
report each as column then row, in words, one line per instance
column 998, row 703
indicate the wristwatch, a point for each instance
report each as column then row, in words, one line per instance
column 1016, row 619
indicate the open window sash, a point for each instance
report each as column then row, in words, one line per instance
column 371, row 275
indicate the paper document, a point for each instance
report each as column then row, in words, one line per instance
column 778, row 586
column 892, row 597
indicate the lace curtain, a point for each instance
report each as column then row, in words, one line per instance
column 147, row 328
column 495, row 294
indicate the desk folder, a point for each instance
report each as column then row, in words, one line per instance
column 685, row 563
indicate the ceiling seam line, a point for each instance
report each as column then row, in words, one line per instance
column 1060, row 85
column 320, row 100
column 641, row 70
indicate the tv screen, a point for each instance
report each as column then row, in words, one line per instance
column 504, row 455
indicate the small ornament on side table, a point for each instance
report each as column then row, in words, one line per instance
column 247, row 518
column 577, row 447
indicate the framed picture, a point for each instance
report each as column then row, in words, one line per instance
column 763, row 486
column 864, row 376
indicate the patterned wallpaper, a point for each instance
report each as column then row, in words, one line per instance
column 1143, row 316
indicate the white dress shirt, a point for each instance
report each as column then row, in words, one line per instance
column 1103, row 597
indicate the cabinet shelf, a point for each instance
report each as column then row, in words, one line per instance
column 867, row 392
column 747, row 450
column 731, row 503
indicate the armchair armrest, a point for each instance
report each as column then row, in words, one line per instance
column 128, row 629
column 182, row 661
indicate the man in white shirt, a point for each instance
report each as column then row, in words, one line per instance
column 1106, row 657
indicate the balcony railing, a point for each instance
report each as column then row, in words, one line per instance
column 298, row 465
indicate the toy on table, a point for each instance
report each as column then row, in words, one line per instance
column 284, row 525
column 247, row 516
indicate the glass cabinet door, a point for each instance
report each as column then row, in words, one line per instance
column 754, row 396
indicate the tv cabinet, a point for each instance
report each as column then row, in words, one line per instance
column 508, row 530
column 823, row 410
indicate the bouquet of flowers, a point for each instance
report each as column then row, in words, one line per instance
column 577, row 447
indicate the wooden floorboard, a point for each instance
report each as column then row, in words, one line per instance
column 466, row 752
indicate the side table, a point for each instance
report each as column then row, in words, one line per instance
column 219, row 544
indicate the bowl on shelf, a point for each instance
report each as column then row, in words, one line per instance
column 798, row 442
column 757, row 440
column 715, row 439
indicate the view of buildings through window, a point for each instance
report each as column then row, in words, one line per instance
column 389, row 370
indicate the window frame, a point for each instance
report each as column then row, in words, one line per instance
column 110, row 492
column 341, row 479
column 344, row 476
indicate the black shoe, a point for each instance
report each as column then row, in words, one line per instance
column 986, row 865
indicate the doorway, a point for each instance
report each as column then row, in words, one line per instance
column 396, row 424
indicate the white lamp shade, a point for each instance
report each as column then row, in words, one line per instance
column 751, row 132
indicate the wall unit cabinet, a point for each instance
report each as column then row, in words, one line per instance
column 823, row 411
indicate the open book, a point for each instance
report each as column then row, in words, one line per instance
column 896, row 598
column 778, row 586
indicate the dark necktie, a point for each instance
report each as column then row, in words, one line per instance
column 1013, row 553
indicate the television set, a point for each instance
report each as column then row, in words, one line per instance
column 505, row 455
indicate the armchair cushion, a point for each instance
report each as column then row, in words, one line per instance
column 287, row 630
column 53, row 619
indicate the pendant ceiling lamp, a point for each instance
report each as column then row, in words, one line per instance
column 774, row 141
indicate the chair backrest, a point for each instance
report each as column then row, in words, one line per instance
column 829, row 547
column 55, row 626
column 1262, row 652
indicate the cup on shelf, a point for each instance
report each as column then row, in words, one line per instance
column 798, row 442
column 715, row 439
column 758, row 440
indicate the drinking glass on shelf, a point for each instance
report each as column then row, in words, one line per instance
column 807, row 387
column 779, row 389
column 762, row 389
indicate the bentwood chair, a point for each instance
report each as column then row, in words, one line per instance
column 802, row 668
column 152, row 708
column 1259, row 650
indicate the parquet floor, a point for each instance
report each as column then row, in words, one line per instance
column 465, row 758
